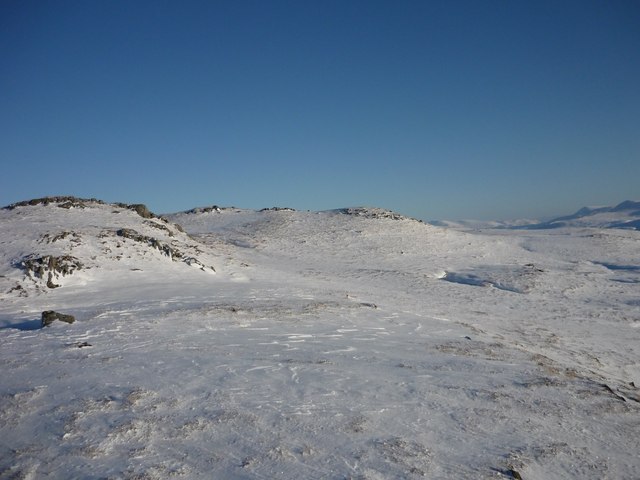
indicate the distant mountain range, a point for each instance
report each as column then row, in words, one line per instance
column 623, row 215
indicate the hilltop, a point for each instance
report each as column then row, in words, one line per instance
column 53, row 242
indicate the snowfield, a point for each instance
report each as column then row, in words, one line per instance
column 347, row 344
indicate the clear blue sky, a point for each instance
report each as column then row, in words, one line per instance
column 441, row 109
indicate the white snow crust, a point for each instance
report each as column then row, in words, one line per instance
column 317, row 345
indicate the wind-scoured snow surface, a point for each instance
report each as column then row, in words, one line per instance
column 332, row 345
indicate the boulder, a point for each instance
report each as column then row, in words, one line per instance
column 141, row 210
column 49, row 316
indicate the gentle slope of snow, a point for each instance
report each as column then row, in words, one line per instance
column 341, row 344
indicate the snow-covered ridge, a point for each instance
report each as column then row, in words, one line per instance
column 75, row 202
column 55, row 241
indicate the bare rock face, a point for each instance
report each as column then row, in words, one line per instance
column 61, row 201
column 50, row 267
column 367, row 212
column 49, row 316
column 168, row 250
column 139, row 208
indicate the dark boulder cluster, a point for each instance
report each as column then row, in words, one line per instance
column 49, row 266
column 278, row 209
column 139, row 208
column 131, row 234
column 61, row 201
column 160, row 226
column 49, row 316
column 52, row 238
column 374, row 213
column 212, row 208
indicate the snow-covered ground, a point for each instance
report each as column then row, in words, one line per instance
column 319, row 345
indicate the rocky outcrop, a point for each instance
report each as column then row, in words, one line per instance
column 212, row 208
column 139, row 208
column 49, row 316
column 49, row 267
column 52, row 238
column 366, row 212
column 62, row 201
column 131, row 234
column 194, row 262
column 160, row 226
column 278, row 209
column 51, row 247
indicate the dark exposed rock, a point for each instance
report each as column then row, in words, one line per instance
column 514, row 474
column 369, row 305
column 194, row 262
column 49, row 266
column 51, row 238
column 19, row 289
column 74, row 202
column 278, row 209
column 153, row 242
column 49, row 316
column 366, row 212
column 133, row 235
column 159, row 226
column 612, row 392
column 212, row 208
column 175, row 225
column 39, row 266
column 62, row 201
column 139, row 208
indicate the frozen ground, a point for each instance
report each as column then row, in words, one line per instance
column 331, row 345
